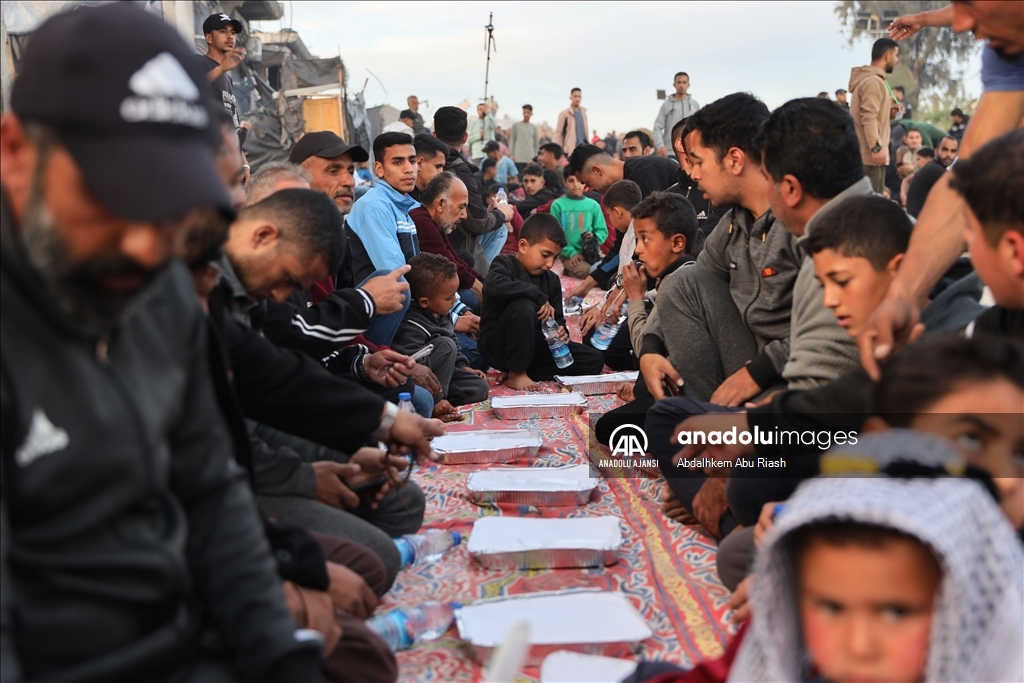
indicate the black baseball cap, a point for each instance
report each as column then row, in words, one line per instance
column 326, row 145
column 134, row 113
column 216, row 21
column 407, row 114
column 840, row 92
column 492, row 146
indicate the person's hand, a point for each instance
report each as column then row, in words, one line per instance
column 331, row 488
column 765, row 521
column 737, row 388
column 563, row 334
column 349, row 591
column 445, row 411
column 425, row 377
column 763, row 402
column 387, row 367
column 373, row 463
column 388, row 291
column 656, row 369
column 507, row 211
column 313, row 609
column 576, row 260
column 478, row 289
column 634, row 281
column 662, row 152
column 479, row 373
column 895, row 322
column 583, row 288
column 713, row 422
column 878, row 158
column 546, row 311
column 409, row 434
column 904, row 27
column 232, row 59
column 625, row 392
column 591, row 318
column 739, row 601
column 710, row 504
column 468, row 323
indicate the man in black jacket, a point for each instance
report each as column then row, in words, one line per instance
column 128, row 534
column 481, row 230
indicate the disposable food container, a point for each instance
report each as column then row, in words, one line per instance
column 590, row 621
column 531, row 543
column 594, row 385
column 537, row 486
column 531, row 406
column 493, row 445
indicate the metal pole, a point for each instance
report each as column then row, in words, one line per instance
column 489, row 40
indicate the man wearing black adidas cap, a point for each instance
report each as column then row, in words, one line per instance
column 332, row 163
column 130, row 548
column 222, row 55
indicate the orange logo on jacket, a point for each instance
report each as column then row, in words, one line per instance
column 768, row 272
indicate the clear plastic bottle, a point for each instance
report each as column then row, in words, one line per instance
column 573, row 305
column 559, row 349
column 605, row 332
column 402, row 628
column 501, row 197
column 405, row 402
column 427, row 547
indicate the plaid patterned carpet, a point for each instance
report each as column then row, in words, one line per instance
column 667, row 570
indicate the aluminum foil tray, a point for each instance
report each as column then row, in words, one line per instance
column 494, row 445
column 589, row 621
column 536, row 486
column 593, row 385
column 530, row 406
column 545, row 543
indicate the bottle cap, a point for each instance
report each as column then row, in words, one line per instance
column 456, row 538
column 405, row 396
column 456, row 605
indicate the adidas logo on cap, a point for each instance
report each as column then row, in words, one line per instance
column 164, row 93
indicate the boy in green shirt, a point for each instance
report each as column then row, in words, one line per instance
column 582, row 220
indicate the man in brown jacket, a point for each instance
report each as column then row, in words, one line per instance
column 571, row 131
column 873, row 107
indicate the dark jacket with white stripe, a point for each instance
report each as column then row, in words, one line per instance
column 318, row 330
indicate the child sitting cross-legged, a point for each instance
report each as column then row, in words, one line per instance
column 433, row 283
column 585, row 230
column 520, row 293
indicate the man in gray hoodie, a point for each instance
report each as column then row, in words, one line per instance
column 676, row 107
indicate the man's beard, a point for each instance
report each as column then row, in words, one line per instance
column 74, row 287
column 205, row 235
column 446, row 225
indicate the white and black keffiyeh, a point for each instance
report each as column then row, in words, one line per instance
column 978, row 627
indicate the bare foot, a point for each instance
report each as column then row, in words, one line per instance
column 673, row 509
column 502, row 377
column 520, row 381
column 445, row 411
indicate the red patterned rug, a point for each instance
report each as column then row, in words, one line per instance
column 667, row 570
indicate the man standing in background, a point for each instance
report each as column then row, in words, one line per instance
column 524, row 139
column 221, row 33
column 571, row 131
column 481, row 131
column 677, row 107
column 873, row 107
column 417, row 119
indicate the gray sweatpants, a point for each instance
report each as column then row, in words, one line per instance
column 459, row 386
column 706, row 338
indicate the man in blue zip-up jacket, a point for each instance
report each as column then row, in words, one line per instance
column 382, row 237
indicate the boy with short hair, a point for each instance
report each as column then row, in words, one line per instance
column 433, row 284
column 538, row 193
column 507, row 173
column 520, row 293
column 583, row 222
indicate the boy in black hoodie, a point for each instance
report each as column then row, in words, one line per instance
column 520, row 293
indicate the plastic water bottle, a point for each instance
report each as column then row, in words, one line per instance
column 501, row 196
column 405, row 402
column 605, row 332
column 426, row 548
column 402, row 628
column 573, row 305
column 559, row 349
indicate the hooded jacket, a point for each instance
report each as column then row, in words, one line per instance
column 869, row 106
column 976, row 629
column 671, row 111
column 125, row 522
column 381, row 234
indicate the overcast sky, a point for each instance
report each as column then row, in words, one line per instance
column 618, row 53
